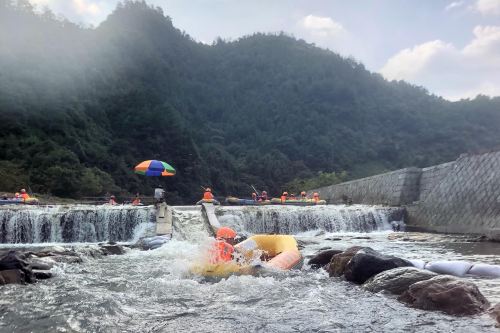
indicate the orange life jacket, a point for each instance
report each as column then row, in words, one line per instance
column 283, row 198
column 222, row 252
column 25, row 196
column 208, row 196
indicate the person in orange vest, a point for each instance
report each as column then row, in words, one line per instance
column 137, row 200
column 112, row 201
column 208, row 194
column 316, row 197
column 284, row 197
column 223, row 248
column 25, row 196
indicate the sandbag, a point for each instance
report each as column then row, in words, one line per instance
column 485, row 270
column 456, row 268
column 417, row 263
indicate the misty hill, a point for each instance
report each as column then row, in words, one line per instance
column 79, row 107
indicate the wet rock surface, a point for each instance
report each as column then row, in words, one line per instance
column 494, row 313
column 339, row 261
column 27, row 265
column 368, row 262
column 397, row 280
column 322, row 258
column 447, row 294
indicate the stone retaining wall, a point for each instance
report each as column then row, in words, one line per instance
column 457, row 197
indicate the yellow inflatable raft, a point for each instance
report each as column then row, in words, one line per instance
column 279, row 252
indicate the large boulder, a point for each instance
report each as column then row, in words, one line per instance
column 42, row 263
column 446, row 293
column 112, row 249
column 339, row 261
column 368, row 262
column 16, row 268
column 322, row 259
column 397, row 280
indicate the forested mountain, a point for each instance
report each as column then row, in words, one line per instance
column 79, row 107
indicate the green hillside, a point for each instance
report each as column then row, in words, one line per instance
column 79, row 107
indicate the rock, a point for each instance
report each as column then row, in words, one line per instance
column 368, row 262
column 339, row 261
column 446, row 293
column 361, row 237
column 13, row 276
column 67, row 259
column 321, row 259
column 494, row 313
column 42, row 275
column 14, row 260
column 397, row 280
column 333, row 239
column 112, row 249
column 42, row 263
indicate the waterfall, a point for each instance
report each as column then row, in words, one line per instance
column 295, row 219
column 72, row 223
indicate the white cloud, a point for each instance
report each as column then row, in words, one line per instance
column 322, row 26
column 488, row 7
column 454, row 5
column 450, row 71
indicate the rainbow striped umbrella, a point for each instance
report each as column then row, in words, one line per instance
column 154, row 168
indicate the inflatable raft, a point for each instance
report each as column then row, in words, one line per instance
column 298, row 202
column 246, row 202
column 212, row 201
column 280, row 252
column 30, row 201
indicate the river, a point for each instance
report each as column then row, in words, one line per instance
column 153, row 291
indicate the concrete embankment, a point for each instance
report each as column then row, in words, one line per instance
column 462, row 196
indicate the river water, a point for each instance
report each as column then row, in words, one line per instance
column 153, row 291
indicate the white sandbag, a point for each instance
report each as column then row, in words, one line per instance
column 485, row 270
column 152, row 247
column 417, row 263
column 456, row 268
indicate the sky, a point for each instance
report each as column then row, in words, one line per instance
column 452, row 48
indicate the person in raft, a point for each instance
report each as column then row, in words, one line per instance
column 303, row 195
column 254, row 196
column 137, row 200
column 112, row 201
column 263, row 196
column 208, row 194
column 284, row 197
column 24, row 195
column 316, row 197
column 223, row 248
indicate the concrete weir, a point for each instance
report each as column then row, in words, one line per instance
column 462, row 196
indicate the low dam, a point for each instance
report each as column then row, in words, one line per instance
column 462, row 196
column 86, row 223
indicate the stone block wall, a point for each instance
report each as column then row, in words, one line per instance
column 394, row 189
column 431, row 177
column 457, row 197
column 466, row 199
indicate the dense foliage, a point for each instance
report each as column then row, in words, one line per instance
column 79, row 107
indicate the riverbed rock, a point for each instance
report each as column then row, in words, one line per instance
column 494, row 313
column 12, row 261
column 16, row 276
column 368, row 262
column 397, row 280
column 112, row 249
column 339, row 261
column 322, row 259
column 41, row 263
column 42, row 275
column 446, row 293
